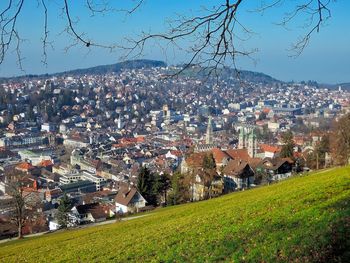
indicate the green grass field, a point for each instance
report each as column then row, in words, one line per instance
column 302, row 219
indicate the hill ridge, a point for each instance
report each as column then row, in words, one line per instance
column 143, row 63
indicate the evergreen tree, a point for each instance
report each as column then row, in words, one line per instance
column 209, row 173
column 288, row 145
column 161, row 186
column 145, row 185
column 63, row 211
column 179, row 190
column 209, row 162
column 30, row 113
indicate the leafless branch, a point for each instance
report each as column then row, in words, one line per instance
column 100, row 7
column 214, row 34
column 138, row 4
column 46, row 33
column 80, row 37
column 212, row 39
column 9, row 33
column 317, row 13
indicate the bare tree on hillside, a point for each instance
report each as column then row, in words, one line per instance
column 340, row 141
column 21, row 201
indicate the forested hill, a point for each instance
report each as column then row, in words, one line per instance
column 98, row 70
column 117, row 67
column 193, row 72
column 251, row 76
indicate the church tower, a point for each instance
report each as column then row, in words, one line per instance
column 209, row 134
column 252, row 143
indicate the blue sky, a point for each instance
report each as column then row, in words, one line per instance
column 326, row 59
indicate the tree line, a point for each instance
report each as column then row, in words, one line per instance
column 332, row 147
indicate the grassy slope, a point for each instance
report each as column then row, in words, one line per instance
column 301, row 219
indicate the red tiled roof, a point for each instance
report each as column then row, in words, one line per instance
column 241, row 154
column 127, row 141
column 270, row 148
column 196, row 159
column 219, row 155
column 266, row 110
column 140, row 139
column 24, row 166
column 45, row 163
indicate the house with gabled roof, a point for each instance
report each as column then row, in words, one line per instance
column 90, row 213
column 238, row 174
column 206, row 184
column 276, row 168
column 129, row 200
column 195, row 160
column 221, row 158
column 270, row 151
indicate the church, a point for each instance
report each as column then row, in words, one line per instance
column 209, row 141
column 248, row 140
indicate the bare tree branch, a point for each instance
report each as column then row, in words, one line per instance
column 80, row 37
column 46, row 33
column 100, row 8
column 318, row 9
column 214, row 35
column 212, row 39
column 8, row 29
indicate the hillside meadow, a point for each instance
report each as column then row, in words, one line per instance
column 302, row 219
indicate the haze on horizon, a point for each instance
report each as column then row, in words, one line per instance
column 325, row 60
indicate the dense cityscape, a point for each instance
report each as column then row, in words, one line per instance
column 174, row 131
column 110, row 144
